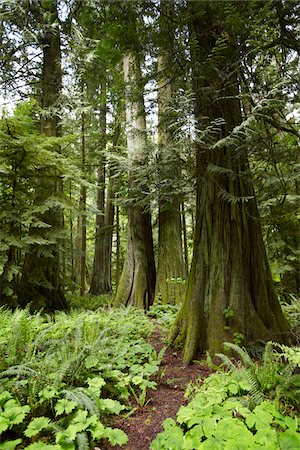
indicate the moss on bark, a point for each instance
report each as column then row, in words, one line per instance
column 230, row 291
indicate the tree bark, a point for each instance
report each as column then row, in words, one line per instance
column 41, row 282
column 101, row 278
column 170, row 265
column 230, row 290
column 137, row 282
column 82, row 209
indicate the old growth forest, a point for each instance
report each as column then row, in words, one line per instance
column 149, row 224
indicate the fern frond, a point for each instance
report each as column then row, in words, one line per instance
column 243, row 354
column 255, row 393
column 18, row 371
column 82, row 441
column 84, row 399
column 225, row 195
column 228, row 363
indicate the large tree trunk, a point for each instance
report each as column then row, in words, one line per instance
column 41, row 282
column 137, row 282
column 230, row 291
column 170, row 265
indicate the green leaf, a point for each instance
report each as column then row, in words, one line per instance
column 40, row 445
column 211, row 444
column 36, row 425
column 116, row 436
column 111, row 406
column 289, row 440
column 47, row 393
column 97, row 431
column 10, row 445
column 64, row 406
column 193, row 437
column 14, row 413
column 209, row 425
column 96, row 383
column 4, row 396
column 266, row 437
column 4, row 424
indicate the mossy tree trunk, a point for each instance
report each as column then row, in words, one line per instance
column 230, row 293
column 99, row 283
column 41, row 283
column 137, row 281
column 170, row 264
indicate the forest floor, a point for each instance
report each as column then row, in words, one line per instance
column 146, row 422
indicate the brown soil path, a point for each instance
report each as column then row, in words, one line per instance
column 144, row 424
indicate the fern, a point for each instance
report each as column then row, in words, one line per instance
column 84, row 399
column 255, row 393
column 243, row 354
column 82, row 441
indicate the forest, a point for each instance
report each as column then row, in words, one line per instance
column 149, row 224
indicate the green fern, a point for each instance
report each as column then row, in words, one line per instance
column 82, row 441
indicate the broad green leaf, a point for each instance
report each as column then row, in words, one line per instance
column 36, row 425
column 4, row 424
column 211, row 444
column 14, row 413
column 4, row 396
column 266, row 437
column 40, row 445
column 209, row 425
column 111, row 406
column 116, row 436
column 97, row 431
column 10, row 445
column 193, row 437
column 64, row 406
column 47, row 393
column 96, row 383
column 289, row 440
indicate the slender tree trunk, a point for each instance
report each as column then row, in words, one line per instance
column 170, row 266
column 100, row 284
column 41, row 283
column 137, row 282
column 184, row 238
column 82, row 209
column 230, row 288
column 118, row 246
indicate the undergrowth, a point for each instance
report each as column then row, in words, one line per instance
column 62, row 376
column 249, row 406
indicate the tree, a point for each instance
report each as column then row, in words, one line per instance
column 170, row 265
column 137, row 282
column 41, row 282
column 230, row 292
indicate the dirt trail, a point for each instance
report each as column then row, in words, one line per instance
column 144, row 424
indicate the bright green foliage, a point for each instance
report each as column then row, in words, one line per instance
column 274, row 378
column 70, row 372
column 26, row 156
column 11, row 413
column 235, row 410
column 164, row 314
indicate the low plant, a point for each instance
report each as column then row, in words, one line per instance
column 165, row 315
column 62, row 376
column 247, row 407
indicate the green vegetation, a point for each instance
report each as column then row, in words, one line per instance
column 62, row 376
column 253, row 405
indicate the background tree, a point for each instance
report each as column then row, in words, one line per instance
column 41, row 282
column 137, row 282
column 230, row 289
column 170, row 265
